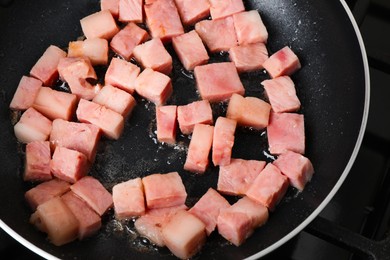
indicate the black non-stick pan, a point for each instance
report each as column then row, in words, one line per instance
column 333, row 86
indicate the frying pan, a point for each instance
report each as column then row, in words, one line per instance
column 333, row 86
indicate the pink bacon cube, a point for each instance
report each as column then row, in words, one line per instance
column 110, row 5
column 37, row 163
column 164, row 190
column 99, row 25
column 223, row 8
column 122, row 74
column 129, row 199
column 96, row 50
column 248, row 57
column 131, row 11
column 32, row 126
column 193, row 11
column 286, row 131
column 199, row 149
column 45, row 69
column 296, row 167
column 197, row 112
column 282, row 62
column 223, row 78
column 166, row 123
column 25, row 93
column 250, row 28
column 223, row 140
column 269, row 187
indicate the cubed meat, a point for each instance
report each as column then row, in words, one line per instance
column 163, row 19
column 210, row 32
column 190, row 50
column 199, row 149
column 95, row 49
column 281, row 94
column 131, row 11
column 99, row 25
column 93, row 192
column 197, row 112
column 116, row 99
column 296, row 167
column 192, row 11
column 45, row 191
column 110, row 122
column 248, row 57
column 89, row 221
column 208, row 207
column 57, row 220
column 45, row 69
column 124, row 42
column 164, row 190
column 223, row 140
column 223, row 8
column 286, row 131
column 269, row 187
column 218, row 81
column 281, row 63
column 110, row 5
column 37, row 163
column 250, row 28
column 69, row 165
column 236, row 177
column 25, row 93
column 122, row 74
column 32, row 126
column 129, row 199
column 154, row 86
column 249, row 111
column 166, row 123
column 55, row 104
column 184, row 234
column 152, row 54
column 76, row 136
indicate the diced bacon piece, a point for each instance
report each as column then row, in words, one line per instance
column 154, row 86
column 208, row 207
column 223, row 140
column 93, row 192
column 248, row 57
column 197, row 112
column 281, row 94
column 76, row 136
column 296, row 167
column 192, row 11
column 45, row 69
column 129, row 199
column 32, row 126
column 199, row 148
column 95, row 49
column 99, row 25
column 269, row 187
column 250, row 28
column 111, row 5
column 89, row 221
column 152, row 54
column 25, row 93
column 37, row 164
column 69, row 165
column 236, row 177
column 57, row 220
column 218, row 81
column 190, row 50
column 164, row 190
column 122, row 74
column 223, row 8
column 163, row 19
column 283, row 62
column 131, row 11
column 286, row 131
column 210, row 32
column 110, row 122
column 184, row 234
column 166, row 123
column 55, row 104
column 45, row 191
column 150, row 224
column 249, row 111
column 238, row 222
column 124, row 42
column 116, row 99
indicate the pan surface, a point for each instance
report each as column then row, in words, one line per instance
column 333, row 86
